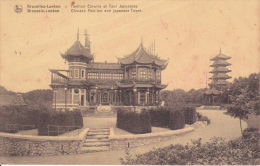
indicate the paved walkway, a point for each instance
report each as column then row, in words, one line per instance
column 221, row 126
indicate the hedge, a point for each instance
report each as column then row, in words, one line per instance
column 134, row 122
column 190, row 115
column 160, row 116
column 20, row 115
column 177, row 119
column 61, row 119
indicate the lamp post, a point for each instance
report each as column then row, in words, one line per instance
column 134, row 97
column 55, row 91
column 65, row 90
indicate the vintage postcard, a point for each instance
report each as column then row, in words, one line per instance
column 110, row 82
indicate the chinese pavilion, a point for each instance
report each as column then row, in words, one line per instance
column 134, row 80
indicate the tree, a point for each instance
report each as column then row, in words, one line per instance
column 241, row 106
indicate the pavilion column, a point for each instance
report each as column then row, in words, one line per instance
column 155, row 97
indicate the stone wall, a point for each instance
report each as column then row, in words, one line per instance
column 123, row 141
column 21, row 145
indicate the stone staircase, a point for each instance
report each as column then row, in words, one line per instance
column 97, row 139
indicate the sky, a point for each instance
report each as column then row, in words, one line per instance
column 188, row 32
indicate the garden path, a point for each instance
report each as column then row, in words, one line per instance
column 221, row 126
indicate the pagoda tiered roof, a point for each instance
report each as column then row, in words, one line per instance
column 220, row 63
column 219, row 83
column 219, row 76
column 220, row 56
column 222, row 70
column 143, row 56
column 77, row 50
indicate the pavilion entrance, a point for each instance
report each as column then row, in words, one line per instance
column 105, row 98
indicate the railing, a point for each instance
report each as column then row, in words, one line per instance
column 59, row 78
column 61, row 129
column 13, row 128
column 149, row 81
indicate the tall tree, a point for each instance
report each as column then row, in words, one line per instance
column 241, row 106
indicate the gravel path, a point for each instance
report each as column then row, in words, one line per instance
column 221, row 126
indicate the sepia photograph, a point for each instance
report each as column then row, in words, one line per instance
column 138, row 82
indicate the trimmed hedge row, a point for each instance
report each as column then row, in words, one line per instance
column 190, row 115
column 61, row 119
column 160, row 116
column 176, row 119
column 134, row 122
column 172, row 117
column 20, row 115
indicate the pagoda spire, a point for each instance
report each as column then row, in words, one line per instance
column 87, row 42
column 78, row 34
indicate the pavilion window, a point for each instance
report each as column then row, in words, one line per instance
column 93, row 75
column 150, row 74
column 82, row 73
column 143, row 74
column 133, row 73
column 76, row 73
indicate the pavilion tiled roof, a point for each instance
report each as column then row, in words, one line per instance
column 77, row 49
column 142, row 56
column 212, row 91
column 11, row 100
column 99, row 65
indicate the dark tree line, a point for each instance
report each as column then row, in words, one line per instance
column 197, row 97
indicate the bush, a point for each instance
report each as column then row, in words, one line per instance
column 190, row 115
column 177, row 119
column 44, row 121
column 203, row 118
column 215, row 152
column 160, row 116
column 61, row 122
column 134, row 122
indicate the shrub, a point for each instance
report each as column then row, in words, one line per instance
column 190, row 115
column 215, row 152
column 134, row 122
column 78, row 119
column 177, row 119
column 203, row 118
column 160, row 116
column 44, row 121
column 61, row 122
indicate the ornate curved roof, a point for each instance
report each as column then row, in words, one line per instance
column 220, row 56
column 223, row 76
column 142, row 56
column 220, row 63
column 212, row 91
column 77, row 50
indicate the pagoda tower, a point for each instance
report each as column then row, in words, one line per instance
column 220, row 70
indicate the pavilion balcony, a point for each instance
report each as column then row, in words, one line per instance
column 57, row 77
